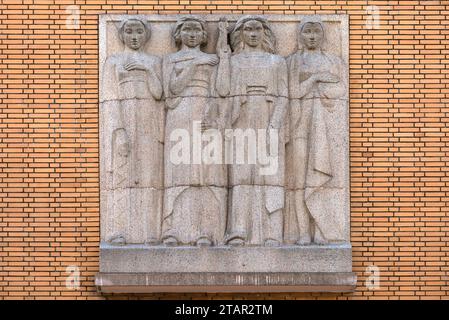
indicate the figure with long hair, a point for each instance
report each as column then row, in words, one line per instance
column 195, row 191
column 259, row 103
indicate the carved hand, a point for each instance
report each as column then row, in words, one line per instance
column 132, row 64
column 209, row 59
column 223, row 48
column 206, row 125
column 326, row 77
column 122, row 143
column 123, row 149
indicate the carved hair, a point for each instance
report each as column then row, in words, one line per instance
column 306, row 20
column 145, row 24
column 176, row 33
column 268, row 42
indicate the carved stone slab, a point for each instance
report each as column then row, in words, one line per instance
column 171, row 223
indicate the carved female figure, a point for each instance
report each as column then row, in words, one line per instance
column 259, row 101
column 132, row 138
column 317, row 81
column 195, row 192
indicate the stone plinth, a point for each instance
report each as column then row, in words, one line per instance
column 226, row 282
column 140, row 268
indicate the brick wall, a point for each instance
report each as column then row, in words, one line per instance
column 49, row 180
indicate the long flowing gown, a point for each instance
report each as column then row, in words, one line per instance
column 258, row 91
column 132, row 137
column 195, row 193
column 316, row 173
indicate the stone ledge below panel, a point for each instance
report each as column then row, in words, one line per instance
column 225, row 282
column 284, row 259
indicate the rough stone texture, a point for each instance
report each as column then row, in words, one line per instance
column 299, row 91
column 196, row 192
column 135, row 258
column 132, row 123
column 338, row 204
column 259, row 90
column 284, row 28
column 317, row 150
column 226, row 282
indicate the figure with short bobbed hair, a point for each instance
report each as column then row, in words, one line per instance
column 178, row 29
column 317, row 85
column 132, row 130
column 195, row 198
column 259, row 102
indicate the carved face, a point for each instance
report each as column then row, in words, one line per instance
column 252, row 33
column 312, row 35
column 192, row 34
column 134, row 35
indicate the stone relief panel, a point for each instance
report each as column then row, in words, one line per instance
column 263, row 98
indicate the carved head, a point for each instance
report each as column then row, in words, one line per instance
column 253, row 31
column 190, row 31
column 311, row 33
column 134, row 33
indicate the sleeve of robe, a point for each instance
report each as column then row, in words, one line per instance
column 110, row 115
column 294, row 111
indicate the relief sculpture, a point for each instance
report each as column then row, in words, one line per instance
column 195, row 192
column 132, row 138
column 256, row 104
column 224, row 154
column 316, row 82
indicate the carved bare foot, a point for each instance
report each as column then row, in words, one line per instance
column 236, row 242
column 320, row 241
column 304, row 241
column 152, row 242
column 272, row 243
column 318, row 238
column 204, row 242
column 170, row 241
column 117, row 241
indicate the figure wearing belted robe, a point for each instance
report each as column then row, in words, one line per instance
column 259, row 103
column 132, row 137
column 317, row 80
column 195, row 201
